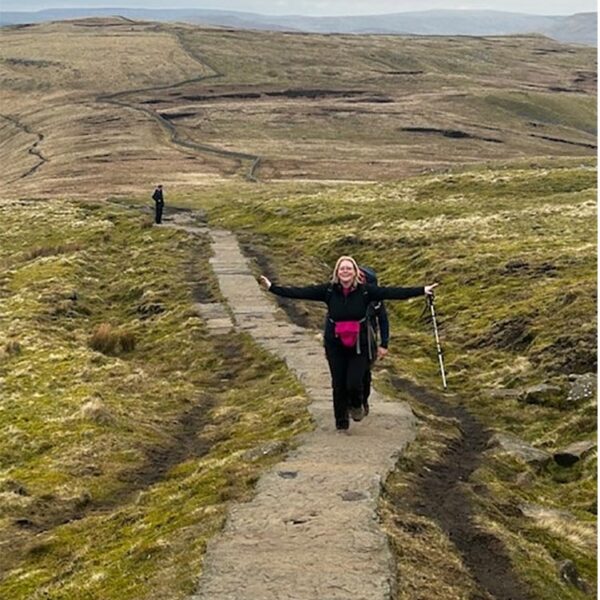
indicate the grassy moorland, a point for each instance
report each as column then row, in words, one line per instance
column 514, row 251
column 126, row 427
column 381, row 107
column 118, row 461
column 108, row 106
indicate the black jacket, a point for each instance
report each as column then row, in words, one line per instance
column 158, row 196
column 380, row 322
column 352, row 307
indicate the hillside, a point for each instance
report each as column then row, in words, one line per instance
column 579, row 28
column 514, row 251
column 133, row 421
column 186, row 104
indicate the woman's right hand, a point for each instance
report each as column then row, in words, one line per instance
column 264, row 282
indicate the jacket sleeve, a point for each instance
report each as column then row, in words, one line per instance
column 309, row 292
column 384, row 326
column 393, row 293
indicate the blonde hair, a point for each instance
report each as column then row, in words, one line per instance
column 336, row 279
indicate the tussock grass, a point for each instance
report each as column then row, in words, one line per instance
column 95, row 410
column 12, row 347
column 52, row 250
column 581, row 535
column 109, row 340
column 104, row 339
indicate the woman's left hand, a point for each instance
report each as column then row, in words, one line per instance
column 264, row 282
column 429, row 289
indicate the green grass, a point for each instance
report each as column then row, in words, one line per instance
column 550, row 109
column 124, row 511
column 513, row 248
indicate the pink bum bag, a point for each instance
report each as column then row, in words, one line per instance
column 348, row 332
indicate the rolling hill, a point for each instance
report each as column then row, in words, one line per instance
column 580, row 28
column 95, row 101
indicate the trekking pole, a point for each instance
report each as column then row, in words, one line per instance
column 430, row 303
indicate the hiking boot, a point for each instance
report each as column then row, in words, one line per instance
column 366, row 408
column 357, row 413
column 342, row 426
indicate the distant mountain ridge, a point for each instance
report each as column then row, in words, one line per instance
column 580, row 28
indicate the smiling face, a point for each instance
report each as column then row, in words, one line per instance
column 346, row 273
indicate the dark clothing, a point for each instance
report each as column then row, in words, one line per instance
column 347, row 369
column 380, row 322
column 352, row 307
column 347, row 365
column 158, row 211
column 377, row 312
column 159, row 204
column 381, row 326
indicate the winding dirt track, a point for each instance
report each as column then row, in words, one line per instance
column 312, row 530
column 33, row 149
column 119, row 99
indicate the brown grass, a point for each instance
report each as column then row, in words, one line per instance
column 127, row 341
column 108, row 340
column 311, row 107
column 52, row 250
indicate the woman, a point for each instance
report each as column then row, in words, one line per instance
column 346, row 331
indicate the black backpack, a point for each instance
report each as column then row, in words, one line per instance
column 372, row 311
column 374, row 307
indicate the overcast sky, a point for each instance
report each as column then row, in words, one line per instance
column 321, row 7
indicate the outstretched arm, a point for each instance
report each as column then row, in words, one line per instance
column 398, row 293
column 309, row 292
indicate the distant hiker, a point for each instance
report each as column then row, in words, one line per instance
column 346, row 330
column 378, row 320
column 159, row 204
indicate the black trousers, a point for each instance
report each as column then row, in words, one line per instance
column 366, row 386
column 158, row 211
column 347, row 370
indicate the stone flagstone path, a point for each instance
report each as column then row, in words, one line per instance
column 312, row 530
